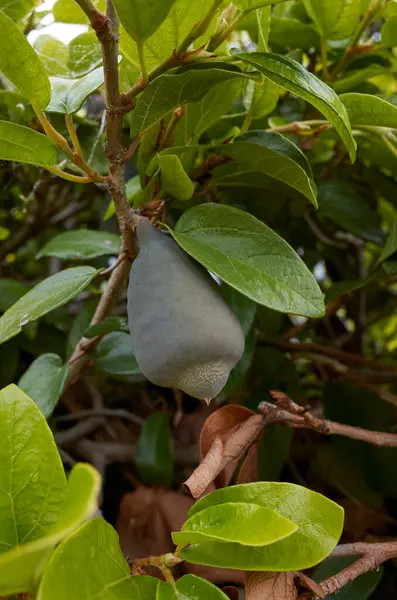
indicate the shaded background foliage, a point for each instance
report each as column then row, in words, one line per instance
column 144, row 439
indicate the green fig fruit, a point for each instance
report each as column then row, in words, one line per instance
column 184, row 335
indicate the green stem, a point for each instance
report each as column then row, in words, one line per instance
column 68, row 176
column 142, row 62
column 367, row 18
column 219, row 39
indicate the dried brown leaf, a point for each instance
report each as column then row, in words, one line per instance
column 270, row 586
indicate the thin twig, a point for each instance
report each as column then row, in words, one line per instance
column 118, row 413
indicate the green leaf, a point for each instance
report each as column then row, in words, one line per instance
column 84, row 54
column 21, row 567
column 108, row 325
column 390, row 246
column 31, row 490
column 200, row 116
column 44, row 381
column 343, row 204
column 335, row 19
column 168, row 91
column 365, row 109
column 265, row 97
column 292, row 33
column 80, row 323
column 289, row 74
column 17, row 9
column 21, row 144
column 81, row 244
column 360, row 589
column 44, row 297
column 113, row 355
column 249, row 256
column 191, row 587
column 180, row 20
column 68, row 95
column 68, row 11
column 174, row 179
column 141, row 18
column 358, row 76
column 389, row 32
column 273, row 154
column 100, row 571
column 253, row 4
column 319, row 521
column 154, row 457
column 21, row 65
column 53, row 54
column 239, row 522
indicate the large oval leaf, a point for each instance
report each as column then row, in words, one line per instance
column 81, row 244
column 170, row 90
column 335, row 19
column 250, row 257
column 240, row 522
column 290, row 75
column 113, row 355
column 274, row 155
column 21, row 65
column 101, row 570
column 44, row 297
column 21, row 144
column 21, row 567
column 319, row 521
column 365, row 109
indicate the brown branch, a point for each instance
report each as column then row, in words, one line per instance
column 290, row 413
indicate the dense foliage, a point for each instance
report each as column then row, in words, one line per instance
column 261, row 137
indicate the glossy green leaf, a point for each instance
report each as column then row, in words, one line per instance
column 389, row 32
column 360, row 589
column 113, row 355
column 68, row 11
column 239, row 522
column 343, row 204
column 319, row 521
column 336, row 19
column 154, row 459
column 44, row 381
column 68, row 95
column 253, row 4
column 108, row 325
column 264, row 98
column 21, row 567
column 44, row 297
column 250, row 257
column 174, row 179
column 22, row 66
column 292, row 33
column 101, row 570
column 273, row 154
column 81, row 244
column 31, row 491
column 141, row 18
column 289, row 74
column 168, row 91
column 21, row 144
column 191, row 587
column 365, row 109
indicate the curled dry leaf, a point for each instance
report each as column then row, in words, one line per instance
column 270, row 586
column 146, row 519
column 226, row 435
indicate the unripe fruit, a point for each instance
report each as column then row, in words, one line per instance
column 184, row 335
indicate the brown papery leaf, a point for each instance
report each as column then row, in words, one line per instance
column 270, row 586
column 230, row 452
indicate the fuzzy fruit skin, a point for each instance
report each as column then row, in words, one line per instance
column 184, row 335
